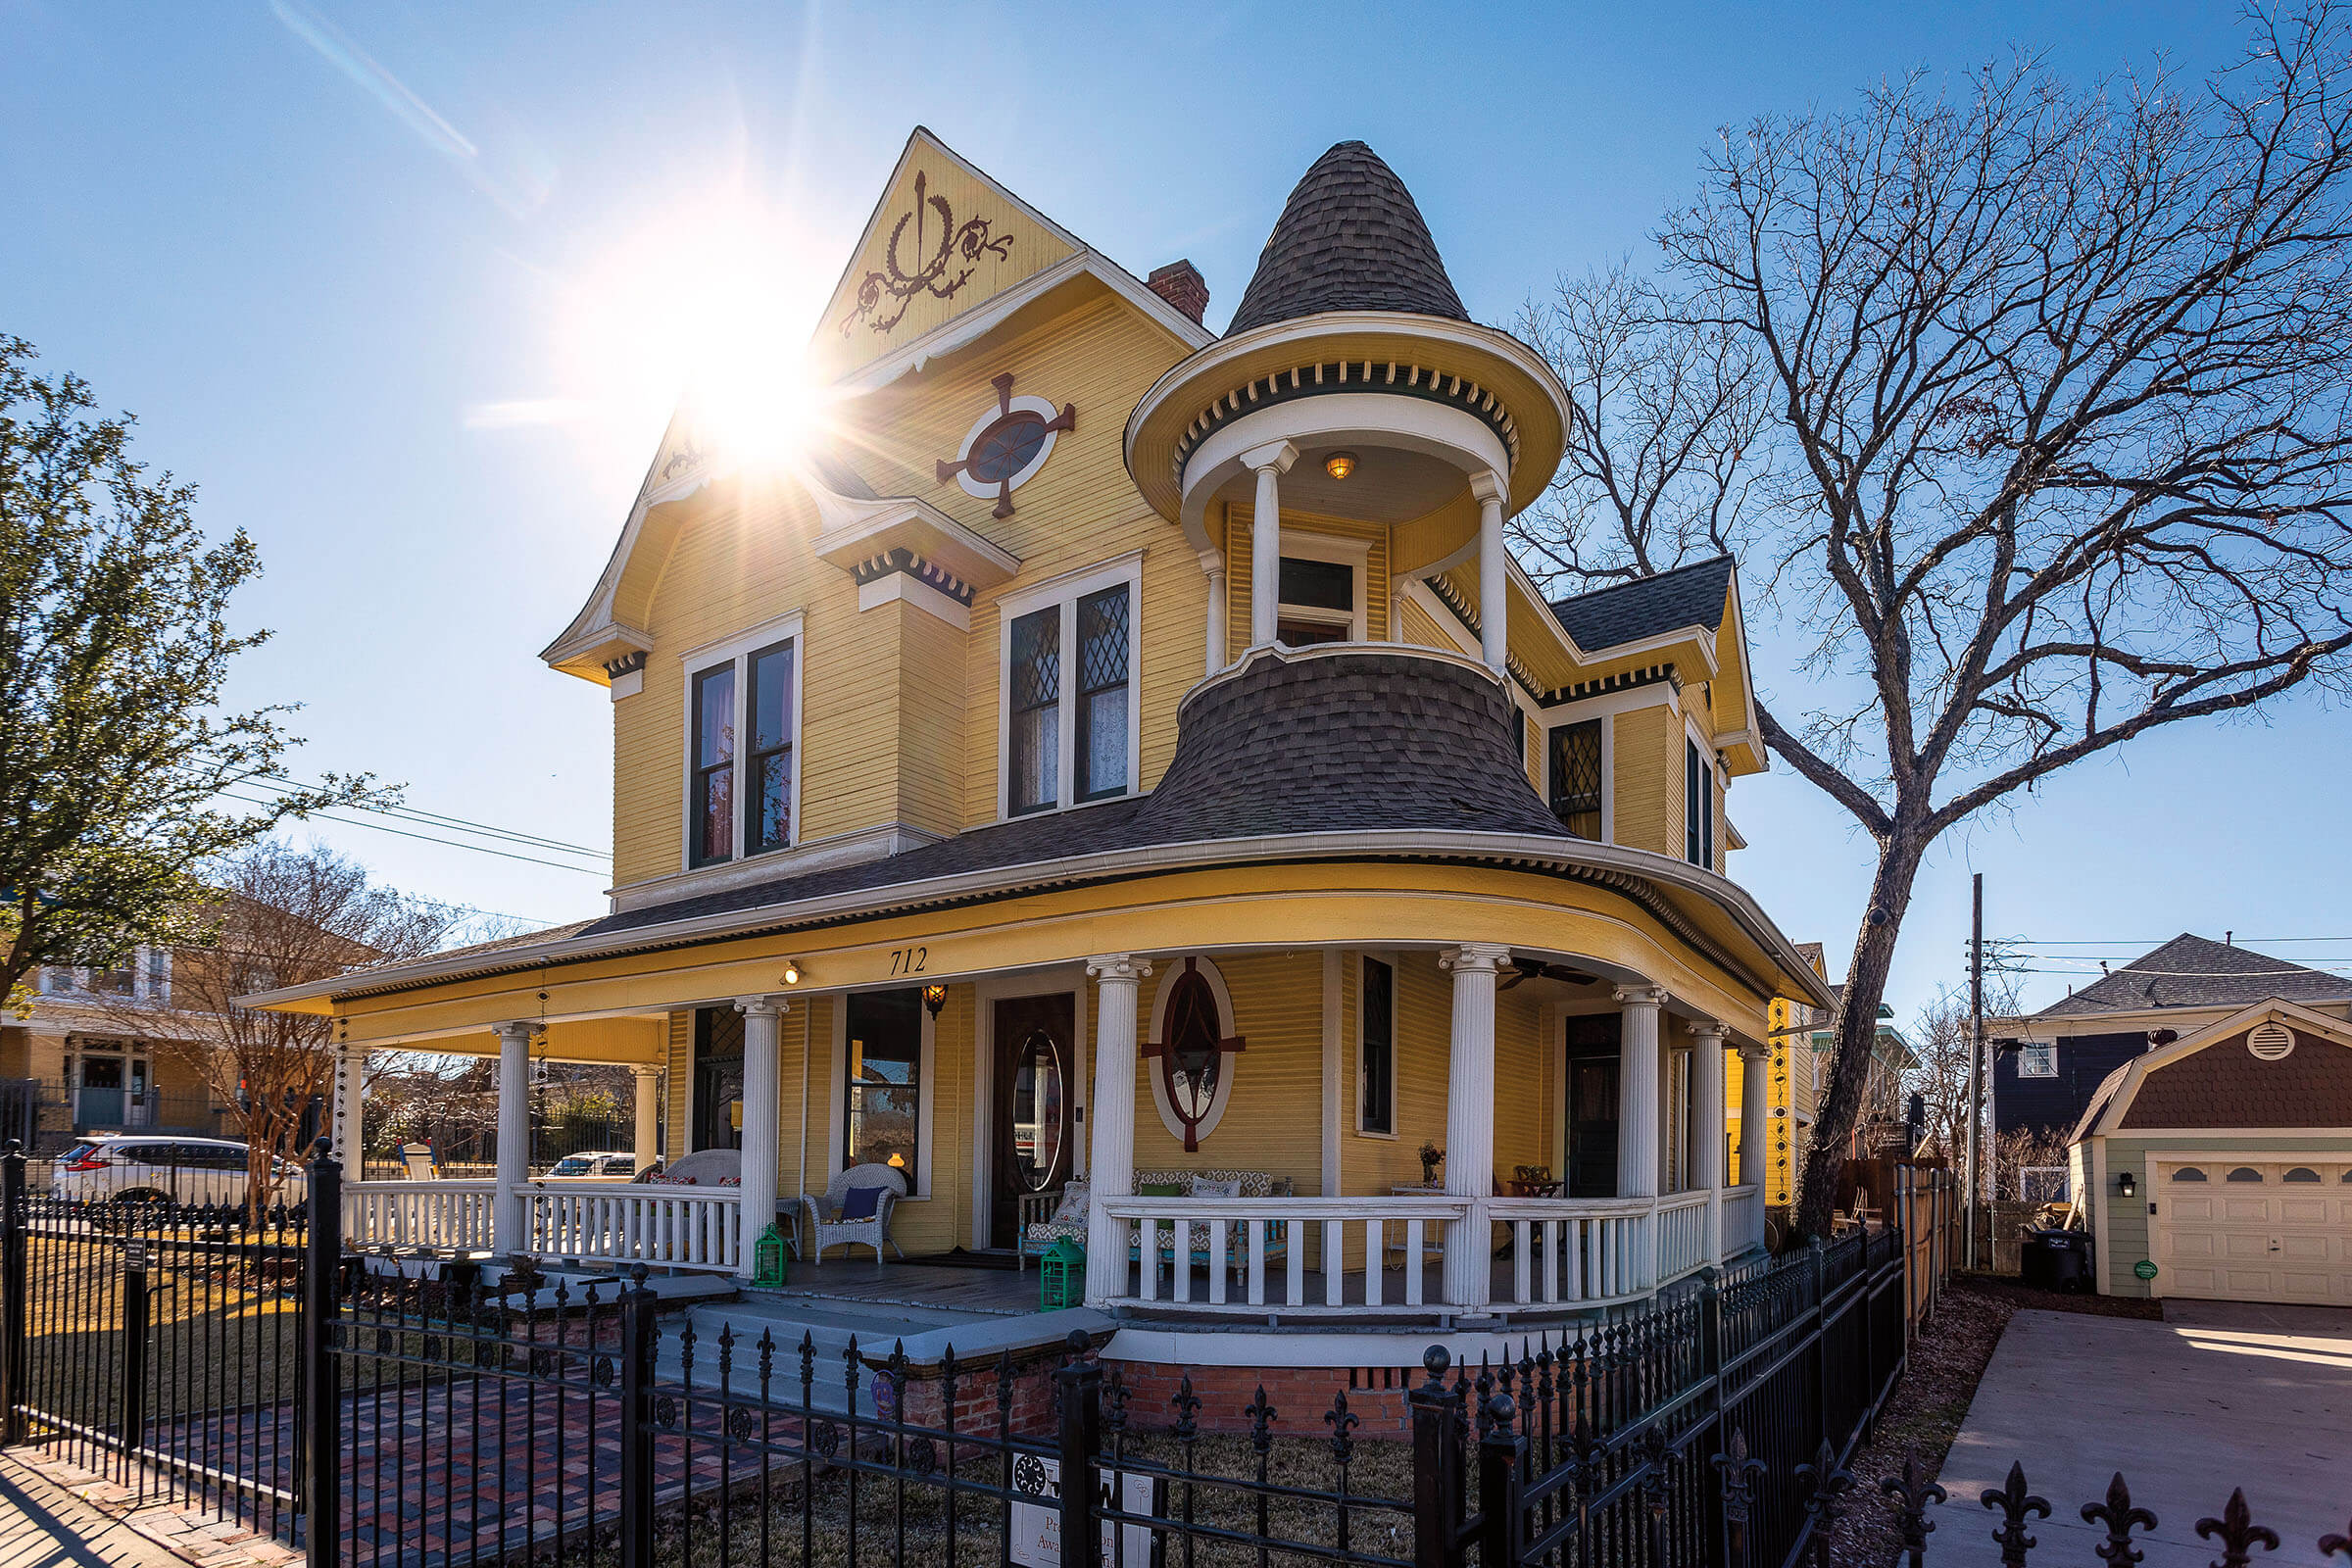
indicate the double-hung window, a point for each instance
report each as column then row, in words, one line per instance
column 1376, row 1050
column 1069, row 716
column 743, row 723
column 1576, row 777
column 1698, row 806
column 1319, row 592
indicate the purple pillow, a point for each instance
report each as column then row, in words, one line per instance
column 860, row 1203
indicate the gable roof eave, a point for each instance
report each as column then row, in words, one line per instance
column 2136, row 1071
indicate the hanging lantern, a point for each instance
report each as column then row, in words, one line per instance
column 767, row 1259
column 1061, row 1275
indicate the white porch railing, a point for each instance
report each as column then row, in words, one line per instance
column 1574, row 1252
column 438, row 1214
column 1683, row 1240
column 1743, row 1219
column 626, row 1221
column 1215, row 1255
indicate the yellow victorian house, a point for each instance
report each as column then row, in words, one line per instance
column 1113, row 783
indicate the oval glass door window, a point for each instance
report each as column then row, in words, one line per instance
column 1038, row 1094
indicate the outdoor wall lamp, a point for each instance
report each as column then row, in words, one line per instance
column 935, row 996
column 1340, row 465
column 792, row 972
column 2125, row 1183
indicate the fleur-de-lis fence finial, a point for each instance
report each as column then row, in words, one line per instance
column 1915, row 1491
column 2016, row 1504
column 2118, row 1516
column 1818, row 1485
column 2239, row 1534
column 2338, row 1545
column 1741, row 1472
column 1342, row 1421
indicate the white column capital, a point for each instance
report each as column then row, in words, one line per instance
column 1275, row 455
column 644, row 1071
column 1475, row 956
column 1212, row 560
column 1639, row 995
column 1753, row 1051
column 1117, row 966
column 764, row 1006
column 1702, row 1027
column 516, row 1027
column 1488, row 488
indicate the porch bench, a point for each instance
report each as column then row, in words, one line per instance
column 1189, row 1184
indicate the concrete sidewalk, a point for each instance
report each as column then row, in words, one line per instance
column 42, row 1525
column 2254, row 1398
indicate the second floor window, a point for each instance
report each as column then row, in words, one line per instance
column 1699, row 807
column 743, row 716
column 1069, row 695
column 1576, row 778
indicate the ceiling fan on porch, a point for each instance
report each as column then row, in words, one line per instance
column 1524, row 970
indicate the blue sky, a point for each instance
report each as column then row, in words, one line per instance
column 401, row 286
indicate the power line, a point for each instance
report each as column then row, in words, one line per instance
column 454, row 844
column 458, row 823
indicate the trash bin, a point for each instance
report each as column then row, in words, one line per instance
column 2056, row 1259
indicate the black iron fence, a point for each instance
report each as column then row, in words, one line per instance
column 386, row 1420
column 158, row 1342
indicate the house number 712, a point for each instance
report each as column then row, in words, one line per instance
column 910, row 960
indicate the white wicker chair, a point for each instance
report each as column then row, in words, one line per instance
column 826, row 1226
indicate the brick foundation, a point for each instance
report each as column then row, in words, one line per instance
column 1300, row 1395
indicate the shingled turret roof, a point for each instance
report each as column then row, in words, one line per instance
column 1647, row 607
column 1349, row 239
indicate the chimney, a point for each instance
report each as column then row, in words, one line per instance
column 1181, row 284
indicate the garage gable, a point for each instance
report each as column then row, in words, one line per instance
column 2272, row 1066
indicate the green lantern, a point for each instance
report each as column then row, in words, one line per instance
column 767, row 1259
column 1061, row 1275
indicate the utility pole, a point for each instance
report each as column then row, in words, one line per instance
column 1976, row 1060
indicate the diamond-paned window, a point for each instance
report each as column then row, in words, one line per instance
column 1036, row 731
column 1102, row 694
column 1576, row 778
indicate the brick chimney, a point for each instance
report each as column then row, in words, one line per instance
column 1181, row 284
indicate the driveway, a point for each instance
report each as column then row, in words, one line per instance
column 2216, row 1395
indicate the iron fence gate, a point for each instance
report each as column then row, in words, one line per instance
column 159, row 1343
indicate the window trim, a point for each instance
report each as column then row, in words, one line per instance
column 1335, row 550
column 693, row 665
column 1389, row 960
column 1065, row 591
column 2051, row 1046
column 1696, row 746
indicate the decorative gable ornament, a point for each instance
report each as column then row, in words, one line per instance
column 1006, row 446
column 938, row 268
column 2270, row 1042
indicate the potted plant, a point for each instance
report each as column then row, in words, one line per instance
column 1432, row 1156
column 1533, row 1181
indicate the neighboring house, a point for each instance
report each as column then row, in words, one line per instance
column 1792, row 1091
column 2070, row 1048
column 94, row 1055
column 2219, row 1165
column 1118, row 766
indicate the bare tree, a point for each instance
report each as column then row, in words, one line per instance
column 2057, row 439
column 283, row 916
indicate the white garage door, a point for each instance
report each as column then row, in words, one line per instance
column 2272, row 1230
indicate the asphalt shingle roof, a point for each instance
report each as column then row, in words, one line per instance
column 2190, row 971
column 1628, row 612
column 1349, row 238
column 1331, row 743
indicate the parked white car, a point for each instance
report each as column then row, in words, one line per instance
column 594, row 1166
column 161, row 1169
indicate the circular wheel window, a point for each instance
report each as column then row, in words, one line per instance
column 1006, row 446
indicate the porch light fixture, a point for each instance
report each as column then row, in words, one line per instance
column 792, row 972
column 1340, row 465
column 935, row 996
column 2125, row 1183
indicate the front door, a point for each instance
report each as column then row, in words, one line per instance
column 1032, row 1122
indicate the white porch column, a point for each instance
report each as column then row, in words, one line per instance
column 1470, row 1120
column 1112, row 1155
column 1213, row 566
column 1494, row 594
column 1755, row 1068
column 350, row 1149
column 509, row 1237
column 1707, row 1126
column 646, row 1144
column 1269, row 463
column 763, row 1121
column 1638, row 1091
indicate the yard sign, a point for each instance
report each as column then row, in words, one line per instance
column 1037, row 1526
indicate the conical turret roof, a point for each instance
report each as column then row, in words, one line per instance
column 1349, row 239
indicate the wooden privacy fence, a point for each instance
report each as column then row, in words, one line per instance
column 1927, row 1213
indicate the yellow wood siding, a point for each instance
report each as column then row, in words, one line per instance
column 1647, row 765
column 1272, row 1121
